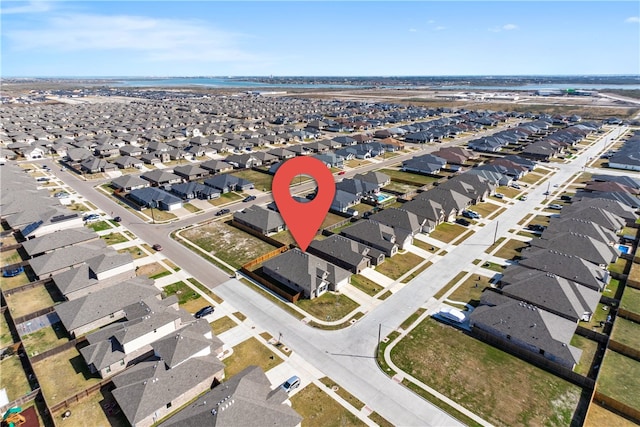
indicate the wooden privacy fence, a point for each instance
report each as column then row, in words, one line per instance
column 256, row 233
column 535, row 359
column 264, row 257
column 79, row 396
column 21, row 400
column 27, row 286
column 593, row 335
column 610, row 402
column 629, row 315
column 624, row 349
column 57, row 350
column 33, row 315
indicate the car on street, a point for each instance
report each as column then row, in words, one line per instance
column 117, row 219
column 204, row 311
column 157, row 247
column 223, row 212
column 291, row 384
column 45, row 167
column 249, row 199
column 463, row 221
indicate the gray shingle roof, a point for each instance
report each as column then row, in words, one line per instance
column 59, row 239
column 246, row 399
column 66, row 257
column 579, row 245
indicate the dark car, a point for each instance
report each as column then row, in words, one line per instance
column 249, row 199
column 204, row 311
column 463, row 221
column 223, row 212
column 117, row 219
column 157, row 247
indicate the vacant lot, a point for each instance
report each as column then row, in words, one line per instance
column 228, row 243
column 261, row 181
column 626, row 332
column 328, row 306
column 13, row 378
column 618, row 378
column 399, row 264
column 318, row 409
column 446, row 232
column 250, row 352
column 70, row 376
column 460, row 366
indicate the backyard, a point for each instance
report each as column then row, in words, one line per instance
column 630, row 299
column 413, row 178
column 618, row 378
column 228, row 243
column 99, row 409
column 626, row 332
column 589, row 348
column 459, row 366
column 13, row 378
column 29, row 301
column 45, row 339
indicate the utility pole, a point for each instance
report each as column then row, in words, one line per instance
column 495, row 234
column 152, row 205
column 379, row 337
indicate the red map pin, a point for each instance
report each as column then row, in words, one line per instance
column 303, row 219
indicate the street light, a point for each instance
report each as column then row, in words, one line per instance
column 153, row 204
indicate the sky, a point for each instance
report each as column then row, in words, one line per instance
column 330, row 38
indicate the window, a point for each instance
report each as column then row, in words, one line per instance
column 108, row 369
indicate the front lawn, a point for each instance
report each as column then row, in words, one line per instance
column 500, row 388
column 328, row 306
column 222, row 324
column 367, row 286
column 114, row 238
column 318, row 409
column 512, row 249
column 399, row 264
column 261, row 181
column 250, row 352
column 446, row 232
column 470, row 291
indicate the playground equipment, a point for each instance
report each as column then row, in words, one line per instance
column 12, row 417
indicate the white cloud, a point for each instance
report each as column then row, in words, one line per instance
column 439, row 28
column 29, row 7
column 632, row 20
column 413, row 30
column 155, row 39
column 506, row 27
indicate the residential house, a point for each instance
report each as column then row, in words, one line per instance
column 580, row 245
column 216, row 166
column 526, row 326
column 194, row 190
column 245, row 399
column 260, row 219
column 400, row 220
column 129, row 182
column 152, row 197
column 159, row 177
column 190, row 172
column 57, row 240
column 126, row 162
column 226, row 183
column 346, row 253
column 378, row 236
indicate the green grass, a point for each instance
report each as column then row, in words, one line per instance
column 398, row 265
column 417, row 272
column 191, row 208
column 449, row 285
column 626, row 332
column 241, row 317
column 206, row 290
column 222, row 324
column 318, row 409
column 228, row 243
column 460, row 367
column 446, row 232
column 468, row 292
column 226, row 198
column 135, row 252
column 5, row 334
column 599, row 315
column 45, row 339
column 353, row 401
column 99, row 226
column 7, row 283
column 511, row 249
column 250, row 352
column 631, row 299
column 425, row 246
column 379, row 419
column 382, row 363
column 328, row 306
column 29, row 301
column 419, row 180
column 160, row 274
column 114, row 238
column 70, row 376
column 589, row 349
column 619, row 266
column 182, row 291
column 9, row 257
column 13, row 378
column 618, row 379
column 495, row 245
column 261, row 181
column 365, row 285
column 385, row 295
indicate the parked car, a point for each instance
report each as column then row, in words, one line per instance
column 223, row 212
column 42, row 179
column 515, row 185
column 499, row 195
column 45, row 167
column 61, row 195
column 565, row 197
column 463, row 221
column 291, row 384
column 523, row 198
column 204, row 311
column 471, row 214
column 555, row 206
column 536, row 227
column 117, row 219
column 249, row 199
column 341, row 173
column 91, row 218
column 157, row 247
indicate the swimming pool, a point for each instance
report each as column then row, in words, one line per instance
column 383, row 197
column 624, row 249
